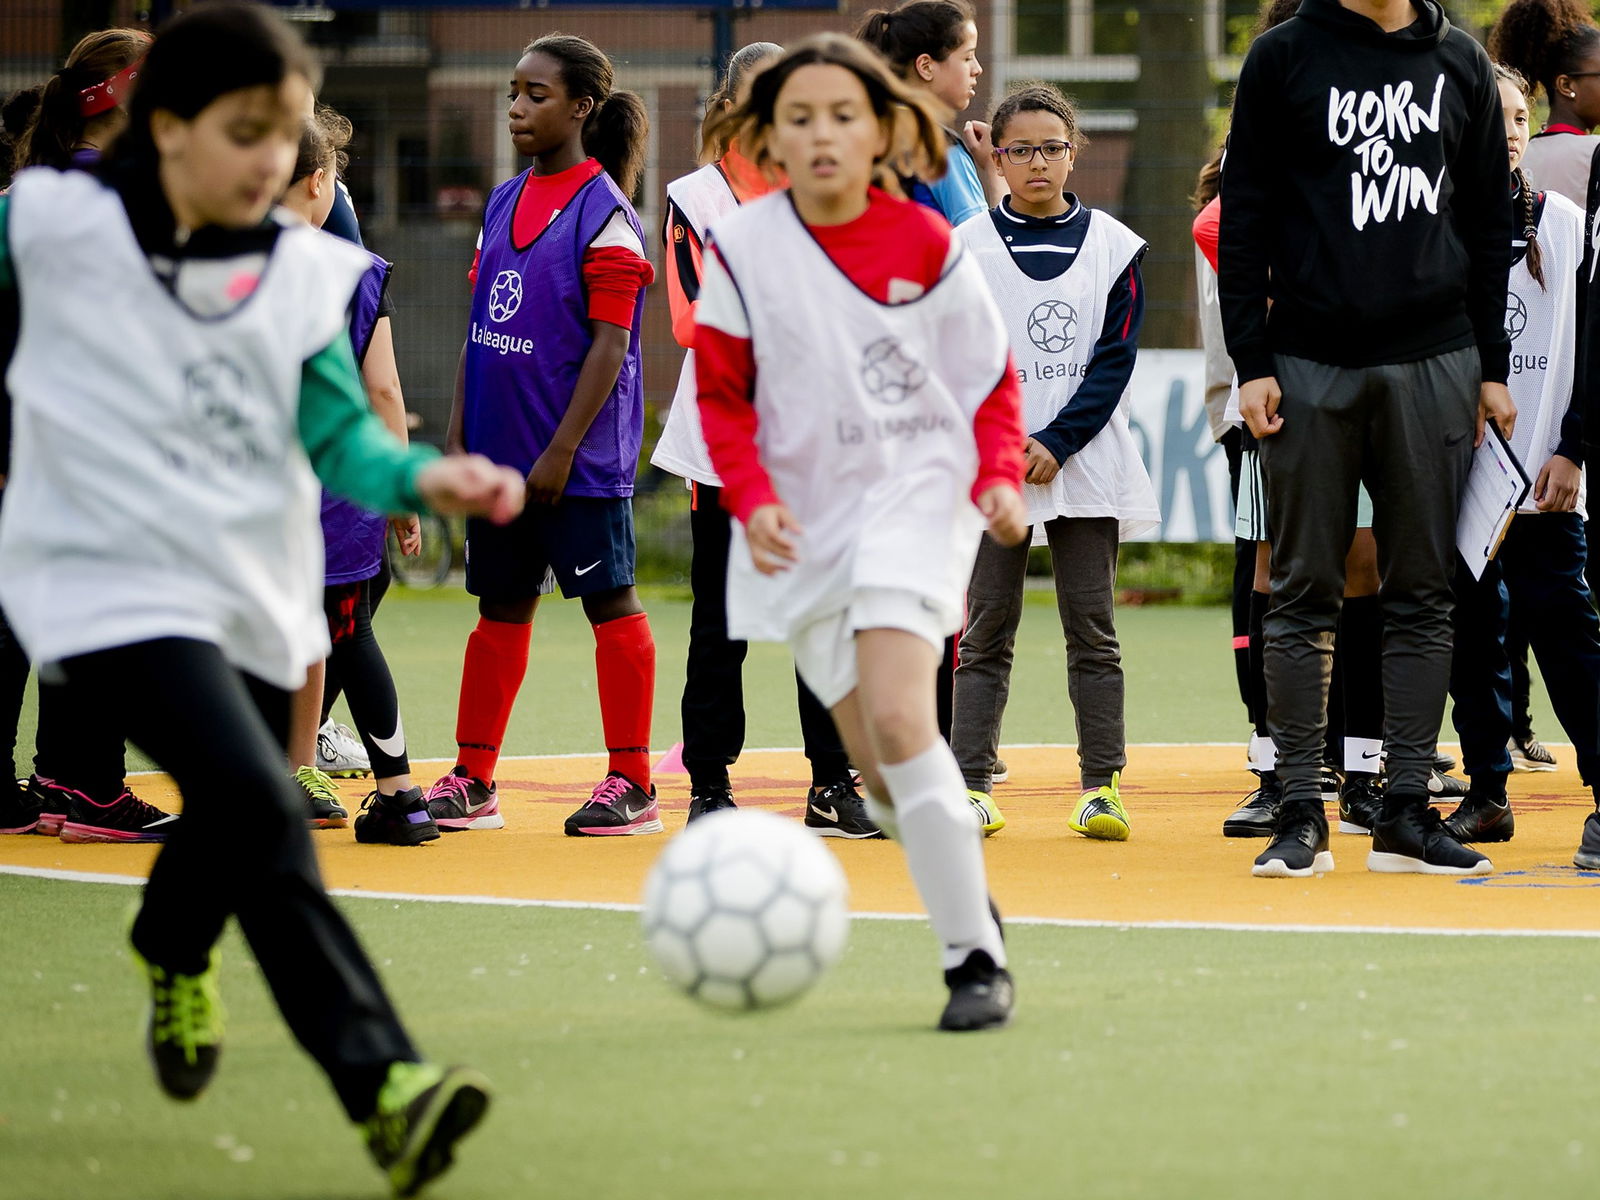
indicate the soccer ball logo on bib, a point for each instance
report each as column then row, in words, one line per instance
column 505, row 297
column 889, row 373
column 1053, row 326
column 1516, row 316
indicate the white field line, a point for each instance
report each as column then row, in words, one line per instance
column 1055, row 922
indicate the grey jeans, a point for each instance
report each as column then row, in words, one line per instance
column 1083, row 553
column 1405, row 430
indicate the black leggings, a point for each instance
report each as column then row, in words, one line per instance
column 357, row 666
column 13, row 683
column 242, row 849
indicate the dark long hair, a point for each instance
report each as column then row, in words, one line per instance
column 54, row 127
column 918, row 27
column 915, row 139
column 210, row 50
column 1525, row 193
column 618, row 126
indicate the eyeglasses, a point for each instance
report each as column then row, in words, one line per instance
column 1022, row 153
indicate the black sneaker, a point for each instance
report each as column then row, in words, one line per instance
column 1588, row 855
column 839, row 811
column 19, row 809
column 398, row 820
column 1360, row 802
column 1258, row 812
column 1481, row 818
column 1443, row 763
column 982, row 995
column 125, row 819
column 458, row 801
column 52, row 799
column 1446, row 787
column 323, row 809
column 1299, row 846
column 616, row 806
column 184, row 1038
column 422, row 1111
column 709, row 800
column 1330, row 785
column 1414, row 841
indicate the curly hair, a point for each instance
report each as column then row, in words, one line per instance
column 1541, row 39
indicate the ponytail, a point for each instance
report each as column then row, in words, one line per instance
column 744, row 62
column 918, row 27
column 1530, row 230
column 57, row 124
column 615, row 134
column 618, row 127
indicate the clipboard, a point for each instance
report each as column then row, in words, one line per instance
column 1496, row 486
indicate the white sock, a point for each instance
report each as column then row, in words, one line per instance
column 1363, row 754
column 883, row 816
column 1263, row 753
column 944, row 852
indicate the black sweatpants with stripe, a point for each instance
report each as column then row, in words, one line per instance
column 243, row 850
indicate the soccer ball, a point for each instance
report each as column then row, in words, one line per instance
column 745, row 909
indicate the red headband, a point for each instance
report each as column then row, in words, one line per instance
column 103, row 97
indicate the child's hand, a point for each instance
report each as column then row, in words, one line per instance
column 1003, row 508
column 768, row 531
column 1495, row 404
column 1556, row 489
column 1042, row 465
column 470, row 485
column 975, row 137
column 548, row 479
column 407, row 532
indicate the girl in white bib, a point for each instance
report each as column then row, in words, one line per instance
column 1067, row 281
column 183, row 368
column 1537, row 577
column 859, row 405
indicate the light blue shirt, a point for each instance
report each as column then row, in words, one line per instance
column 959, row 194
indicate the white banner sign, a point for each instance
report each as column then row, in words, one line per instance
column 1166, row 402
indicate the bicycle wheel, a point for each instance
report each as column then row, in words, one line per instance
column 430, row 568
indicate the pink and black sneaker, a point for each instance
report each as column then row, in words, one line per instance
column 458, row 801
column 125, row 819
column 618, row 806
column 19, row 810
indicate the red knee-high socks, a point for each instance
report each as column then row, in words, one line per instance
column 625, row 666
column 491, row 673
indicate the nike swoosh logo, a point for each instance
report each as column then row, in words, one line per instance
column 827, row 814
column 632, row 813
column 394, row 746
column 1364, row 754
column 477, row 808
column 586, row 570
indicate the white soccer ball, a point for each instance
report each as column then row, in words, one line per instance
column 745, row 909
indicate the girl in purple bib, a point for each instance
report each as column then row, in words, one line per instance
column 550, row 385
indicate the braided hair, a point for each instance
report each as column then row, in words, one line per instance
column 1525, row 192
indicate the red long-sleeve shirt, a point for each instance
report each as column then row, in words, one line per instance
column 895, row 251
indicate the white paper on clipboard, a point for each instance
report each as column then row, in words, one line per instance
column 1496, row 486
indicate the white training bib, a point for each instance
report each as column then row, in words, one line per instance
column 1054, row 324
column 865, row 415
column 158, row 487
column 702, row 197
column 1542, row 325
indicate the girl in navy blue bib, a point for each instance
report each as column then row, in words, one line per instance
column 550, row 386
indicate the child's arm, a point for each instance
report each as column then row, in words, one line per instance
column 1105, row 378
column 997, row 428
column 615, row 271
column 381, row 376
column 683, row 262
column 356, row 457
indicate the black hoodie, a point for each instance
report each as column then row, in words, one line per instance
column 1364, row 191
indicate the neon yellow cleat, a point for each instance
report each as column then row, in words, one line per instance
column 989, row 815
column 1100, row 814
column 422, row 1111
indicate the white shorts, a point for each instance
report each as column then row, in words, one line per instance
column 1250, row 521
column 825, row 650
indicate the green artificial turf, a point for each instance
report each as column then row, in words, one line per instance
column 1173, row 1064
column 1178, row 663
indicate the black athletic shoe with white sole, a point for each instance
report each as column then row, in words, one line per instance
column 708, row 800
column 1446, row 787
column 1330, row 785
column 1481, row 819
column 839, row 811
column 1360, row 803
column 1299, row 846
column 1414, row 841
column 982, row 995
column 1588, row 856
column 1257, row 813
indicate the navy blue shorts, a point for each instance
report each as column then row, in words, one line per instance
column 584, row 543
